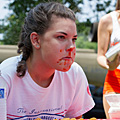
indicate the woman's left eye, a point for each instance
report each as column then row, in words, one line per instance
column 61, row 37
column 74, row 39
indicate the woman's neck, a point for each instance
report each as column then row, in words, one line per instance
column 39, row 73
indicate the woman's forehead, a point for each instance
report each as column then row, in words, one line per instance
column 61, row 22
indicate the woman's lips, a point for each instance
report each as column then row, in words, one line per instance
column 67, row 58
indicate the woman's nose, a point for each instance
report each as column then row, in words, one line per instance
column 70, row 45
column 71, row 48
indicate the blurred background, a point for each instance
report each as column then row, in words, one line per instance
column 12, row 13
column 88, row 14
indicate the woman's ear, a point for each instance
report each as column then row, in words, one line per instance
column 35, row 40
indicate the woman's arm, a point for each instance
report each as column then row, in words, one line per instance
column 104, row 32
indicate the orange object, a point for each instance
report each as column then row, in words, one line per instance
column 112, row 82
column 93, row 118
column 38, row 119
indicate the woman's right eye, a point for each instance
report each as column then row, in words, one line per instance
column 61, row 37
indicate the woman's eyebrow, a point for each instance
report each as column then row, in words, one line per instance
column 67, row 34
column 75, row 35
column 63, row 33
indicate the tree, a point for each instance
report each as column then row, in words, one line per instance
column 20, row 8
column 101, row 7
column 12, row 30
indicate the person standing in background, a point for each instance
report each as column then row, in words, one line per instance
column 108, row 36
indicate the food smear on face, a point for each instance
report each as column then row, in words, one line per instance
column 65, row 62
column 60, row 63
column 69, row 53
column 60, row 50
column 71, row 49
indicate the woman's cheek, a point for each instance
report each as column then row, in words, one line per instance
column 61, row 50
column 74, row 53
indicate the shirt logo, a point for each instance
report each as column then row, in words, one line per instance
column 88, row 90
column 2, row 91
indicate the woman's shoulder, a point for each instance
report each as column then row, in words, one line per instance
column 106, row 22
column 8, row 69
column 106, row 19
column 10, row 62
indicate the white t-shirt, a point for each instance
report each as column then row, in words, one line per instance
column 67, row 95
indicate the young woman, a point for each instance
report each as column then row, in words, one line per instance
column 108, row 36
column 44, row 81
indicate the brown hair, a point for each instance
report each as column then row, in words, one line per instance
column 38, row 20
column 118, row 5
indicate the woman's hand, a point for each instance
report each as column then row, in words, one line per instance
column 114, row 64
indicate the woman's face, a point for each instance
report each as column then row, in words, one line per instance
column 58, row 46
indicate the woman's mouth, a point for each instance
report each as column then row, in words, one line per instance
column 67, row 58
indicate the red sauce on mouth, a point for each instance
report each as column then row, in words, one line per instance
column 60, row 64
column 64, row 69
